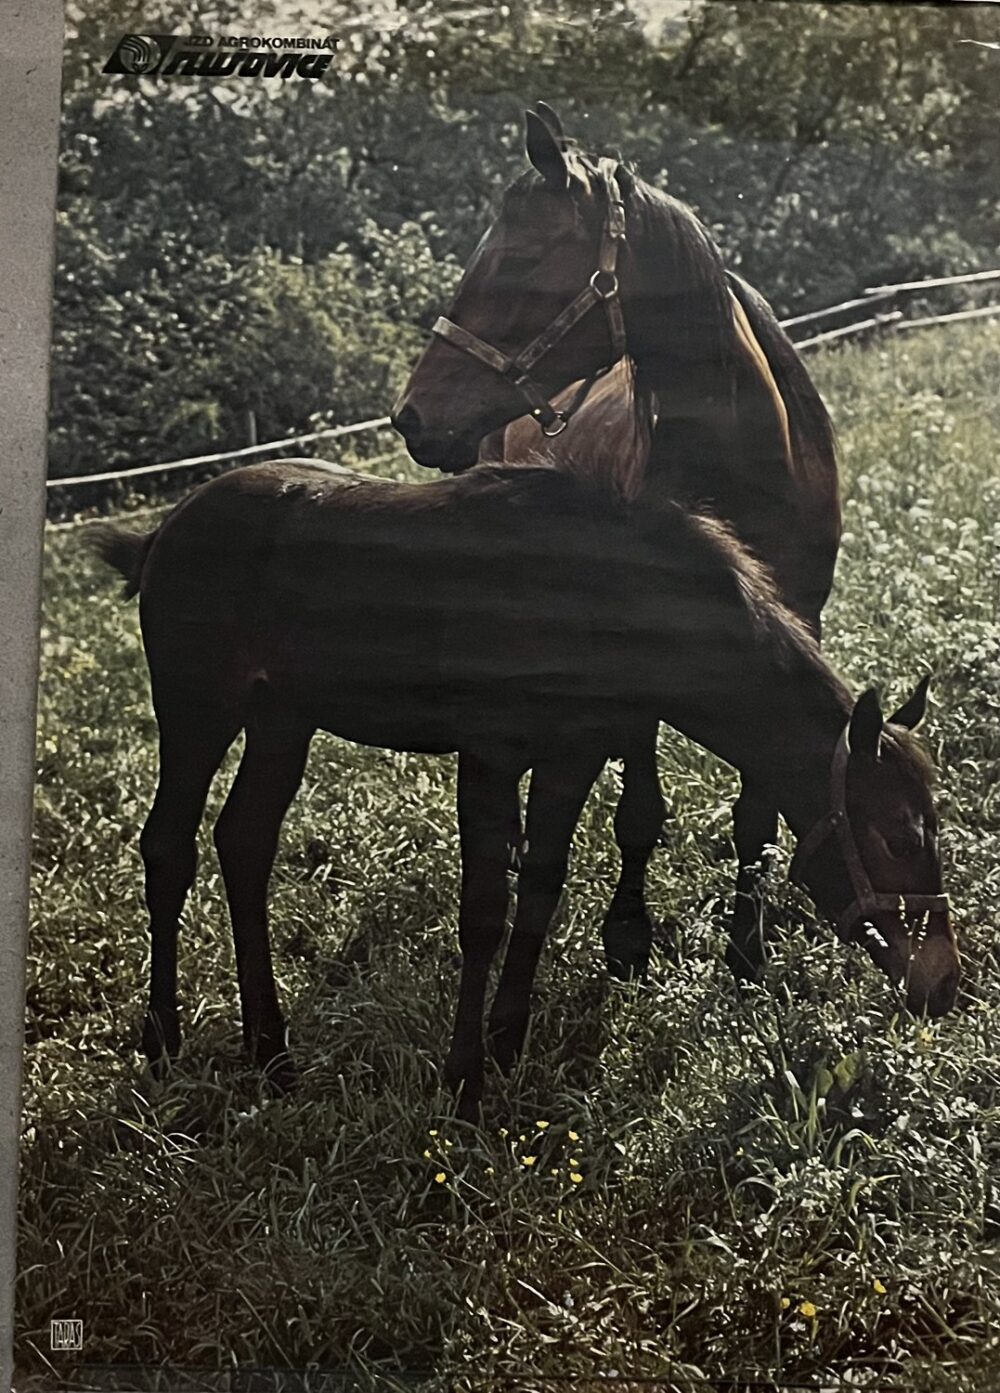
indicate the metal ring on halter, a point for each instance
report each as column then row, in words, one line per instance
column 604, row 294
column 561, row 422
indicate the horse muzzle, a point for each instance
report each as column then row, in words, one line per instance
column 932, row 978
column 448, row 452
column 926, row 969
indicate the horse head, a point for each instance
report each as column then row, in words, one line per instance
column 539, row 306
column 871, row 863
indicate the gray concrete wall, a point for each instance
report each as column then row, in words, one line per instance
column 31, row 34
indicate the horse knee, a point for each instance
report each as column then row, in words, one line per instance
column 170, row 864
column 229, row 837
column 542, row 880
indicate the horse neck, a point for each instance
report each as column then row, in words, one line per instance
column 766, row 703
column 780, row 742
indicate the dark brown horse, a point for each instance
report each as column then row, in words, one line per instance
column 708, row 403
column 509, row 614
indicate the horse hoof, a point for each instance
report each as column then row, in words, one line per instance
column 466, row 1083
column 627, row 945
column 504, row 1055
column 746, row 962
column 161, row 1044
column 635, row 969
column 159, row 1066
column 280, row 1074
column 468, row 1108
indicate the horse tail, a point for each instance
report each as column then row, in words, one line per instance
column 814, row 445
column 124, row 550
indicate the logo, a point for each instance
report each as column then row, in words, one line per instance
column 138, row 54
column 202, row 55
column 66, row 1334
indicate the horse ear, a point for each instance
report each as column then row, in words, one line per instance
column 551, row 119
column 625, row 180
column 866, row 725
column 912, row 712
column 544, row 153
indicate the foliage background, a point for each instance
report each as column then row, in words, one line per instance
column 284, row 247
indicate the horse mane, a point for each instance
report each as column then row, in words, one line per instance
column 779, row 628
column 773, row 622
column 813, row 439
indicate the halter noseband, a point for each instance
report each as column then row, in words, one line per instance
column 601, row 289
column 866, row 899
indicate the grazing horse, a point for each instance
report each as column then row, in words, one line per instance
column 675, row 379
column 509, row 614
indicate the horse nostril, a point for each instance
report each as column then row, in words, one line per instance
column 406, row 421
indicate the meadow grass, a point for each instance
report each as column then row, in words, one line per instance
column 679, row 1183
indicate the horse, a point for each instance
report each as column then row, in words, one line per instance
column 508, row 614
column 685, row 385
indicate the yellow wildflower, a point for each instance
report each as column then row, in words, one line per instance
column 575, row 1163
column 541, row 1126
column 489, row 1170
column 878, row 1288
column 808, row 1310
column 440, row 1177
column 528, row 1160
column 576, row 1177
column 785, row 1302
column 427, row 1155
column 432, row 1132
column 504, row 1132
column 554, row 1170
column 573, row 1136
column 447, row 1142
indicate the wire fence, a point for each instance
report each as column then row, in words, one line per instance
column 889, row 319
column 886, row 320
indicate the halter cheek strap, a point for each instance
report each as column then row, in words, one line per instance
column 601, row 289
column 866, row 899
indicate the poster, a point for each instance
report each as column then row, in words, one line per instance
column 683, row 1183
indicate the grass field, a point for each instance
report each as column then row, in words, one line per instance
column 793, row 1184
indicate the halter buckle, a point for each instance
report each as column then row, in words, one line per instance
column 561, row 422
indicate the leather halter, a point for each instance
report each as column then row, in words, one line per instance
column 601, row 289
column 866, row 900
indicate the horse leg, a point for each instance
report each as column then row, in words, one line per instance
column 191, row 750
column 246, row 837
column 627, row 930
column 755, row 825
column 488, row 812
column 558, row 792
